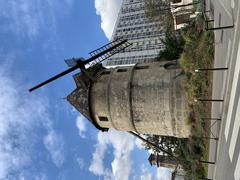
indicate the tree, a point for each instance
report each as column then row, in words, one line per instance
column 169, row 144
column 159, row 10
column 173, row 46
column 155, row 9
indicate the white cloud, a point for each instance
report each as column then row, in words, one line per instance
column 80, row 123
column 108, row 10
column 123, row 144
column 146, row 175
column 54, row 144
column 27, row 18
column 21, row 114
column 139, row 143
column 97, row 166
column 80, row 162
column 163, row 173
column 121, row 166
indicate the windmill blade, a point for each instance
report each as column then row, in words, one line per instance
column 107, row 46
column 112, row 52
column 53, row 78
column 108, row 50
column 105, row 49
column 103, row 53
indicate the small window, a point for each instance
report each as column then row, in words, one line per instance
column 122, row 70
column 141, row 67
column 171, row 66
column 105, row 72
column 136, row 120
column 103, row 118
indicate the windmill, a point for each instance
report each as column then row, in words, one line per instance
column 130, row 98
column 97, row 56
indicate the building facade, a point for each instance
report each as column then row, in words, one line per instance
column 182, row 12
column 145, row 36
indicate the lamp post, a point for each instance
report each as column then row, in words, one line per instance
column 210, row 69
column 212, row 119
column 206, row 162
column 208, row 100
column 214, row 138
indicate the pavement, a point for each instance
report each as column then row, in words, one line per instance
column 225, row 152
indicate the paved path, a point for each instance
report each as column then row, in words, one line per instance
column 226, row 85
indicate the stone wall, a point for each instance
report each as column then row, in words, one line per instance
column 145, row 98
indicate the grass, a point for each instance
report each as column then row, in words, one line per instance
column 198, row 53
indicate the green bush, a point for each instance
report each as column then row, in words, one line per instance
column 173, row 46
column 198, row 52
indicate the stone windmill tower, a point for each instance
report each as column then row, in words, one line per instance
column 145, row 98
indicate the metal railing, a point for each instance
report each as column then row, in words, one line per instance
column 214, row 121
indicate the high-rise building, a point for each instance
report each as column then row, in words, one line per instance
column 145, row 35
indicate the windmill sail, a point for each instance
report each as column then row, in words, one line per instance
column 118, row 44
column 97, row 56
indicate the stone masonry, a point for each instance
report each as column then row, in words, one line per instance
column 145, row 98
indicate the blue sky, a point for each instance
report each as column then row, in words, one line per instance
column 41, row 136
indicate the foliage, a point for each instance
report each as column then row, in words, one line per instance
column 159, row 10
column 156, row 9
column 174, row 44
column 167, row 143
column 198, row 52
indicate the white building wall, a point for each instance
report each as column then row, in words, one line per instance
column 146, row 36
column 180, row 11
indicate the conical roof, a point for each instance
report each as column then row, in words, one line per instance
column 80, row 97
